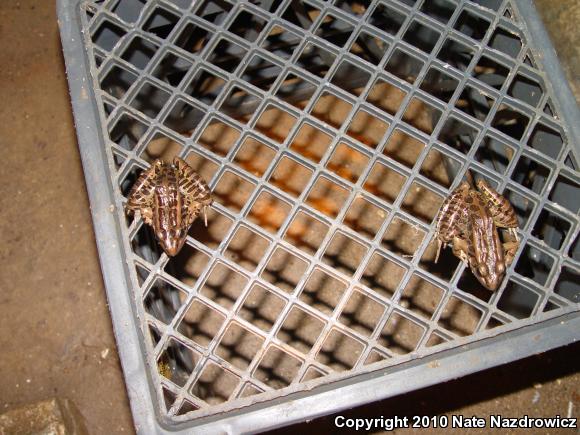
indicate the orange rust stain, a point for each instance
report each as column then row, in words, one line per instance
column 324, row 205
column 361, row 138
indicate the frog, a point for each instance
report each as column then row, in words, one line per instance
column 469, row 220
column 169, row 196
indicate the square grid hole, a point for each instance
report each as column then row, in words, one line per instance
column 402, row 237
column 139, row 52
column 296, row 90
column 300, row 329
column 365, row 217
column 344, row 254
column 172, row 69
column 160, row 22
column 284, row 270
column 421, row 297
column 176, row 362
column 315, row 60
column 382, row 275
column 350, row 78
column 459, row 317
column 275, row 123
column 200, row 323
column 218, row 226
column 117, row 81
column 127, row 131
column 150, row 100
column 281, row 42
column 334, row 30
column 362, row 313
column 404, row 148
column 188, row 265
column 269, row 211
column 205, row 86
column 215, row 384
column 340, row 351
column 224, row 285
column 387, row 18
column 347, row 162
column 233, row 191
column 107, row 35
column 401, row 335
column 301, row 14
column 192, row 38
column 306, row 232
column 322, row 291
column 311, row 142
column 261, row 73
column 254, row 156
column 384, row 182
column 164, row 300
column 517, row 300
column 290, row 176
column 369, row 47
column 327, row 197
column 262, row 307
column 227, row 55
column 246, row 248
column 331, row 109
column 367, row 128
column 247, row 25
column 277, row 368
column 214, row 11
column 239, row 346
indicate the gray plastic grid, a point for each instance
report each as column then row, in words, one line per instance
column 330, row 134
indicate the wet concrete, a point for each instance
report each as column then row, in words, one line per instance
column 55, row 329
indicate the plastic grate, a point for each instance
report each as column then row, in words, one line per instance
column 330, row 133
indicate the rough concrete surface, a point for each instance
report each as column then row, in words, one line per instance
column 562, row 18
column 55, row 331
column 54, row 417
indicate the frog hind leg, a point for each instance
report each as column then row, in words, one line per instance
column 141, row 196
column 195, row 190
column 450, row 218
column 192, row 210
column 191, row 184
column 500, row 209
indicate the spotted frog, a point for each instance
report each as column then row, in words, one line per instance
column 169, row 196
column 469, row 220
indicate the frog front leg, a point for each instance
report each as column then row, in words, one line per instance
column 141, row 196
column 460, row 249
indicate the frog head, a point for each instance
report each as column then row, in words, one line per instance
column 168, row 220
column 487, row 260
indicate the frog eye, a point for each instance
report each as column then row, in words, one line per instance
column 482, row 269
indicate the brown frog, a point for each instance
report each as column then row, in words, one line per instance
column 169, row 196
column 468, row 220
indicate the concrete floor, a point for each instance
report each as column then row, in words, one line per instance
column 55, row 330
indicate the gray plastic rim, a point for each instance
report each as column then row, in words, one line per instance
column 407, row 376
